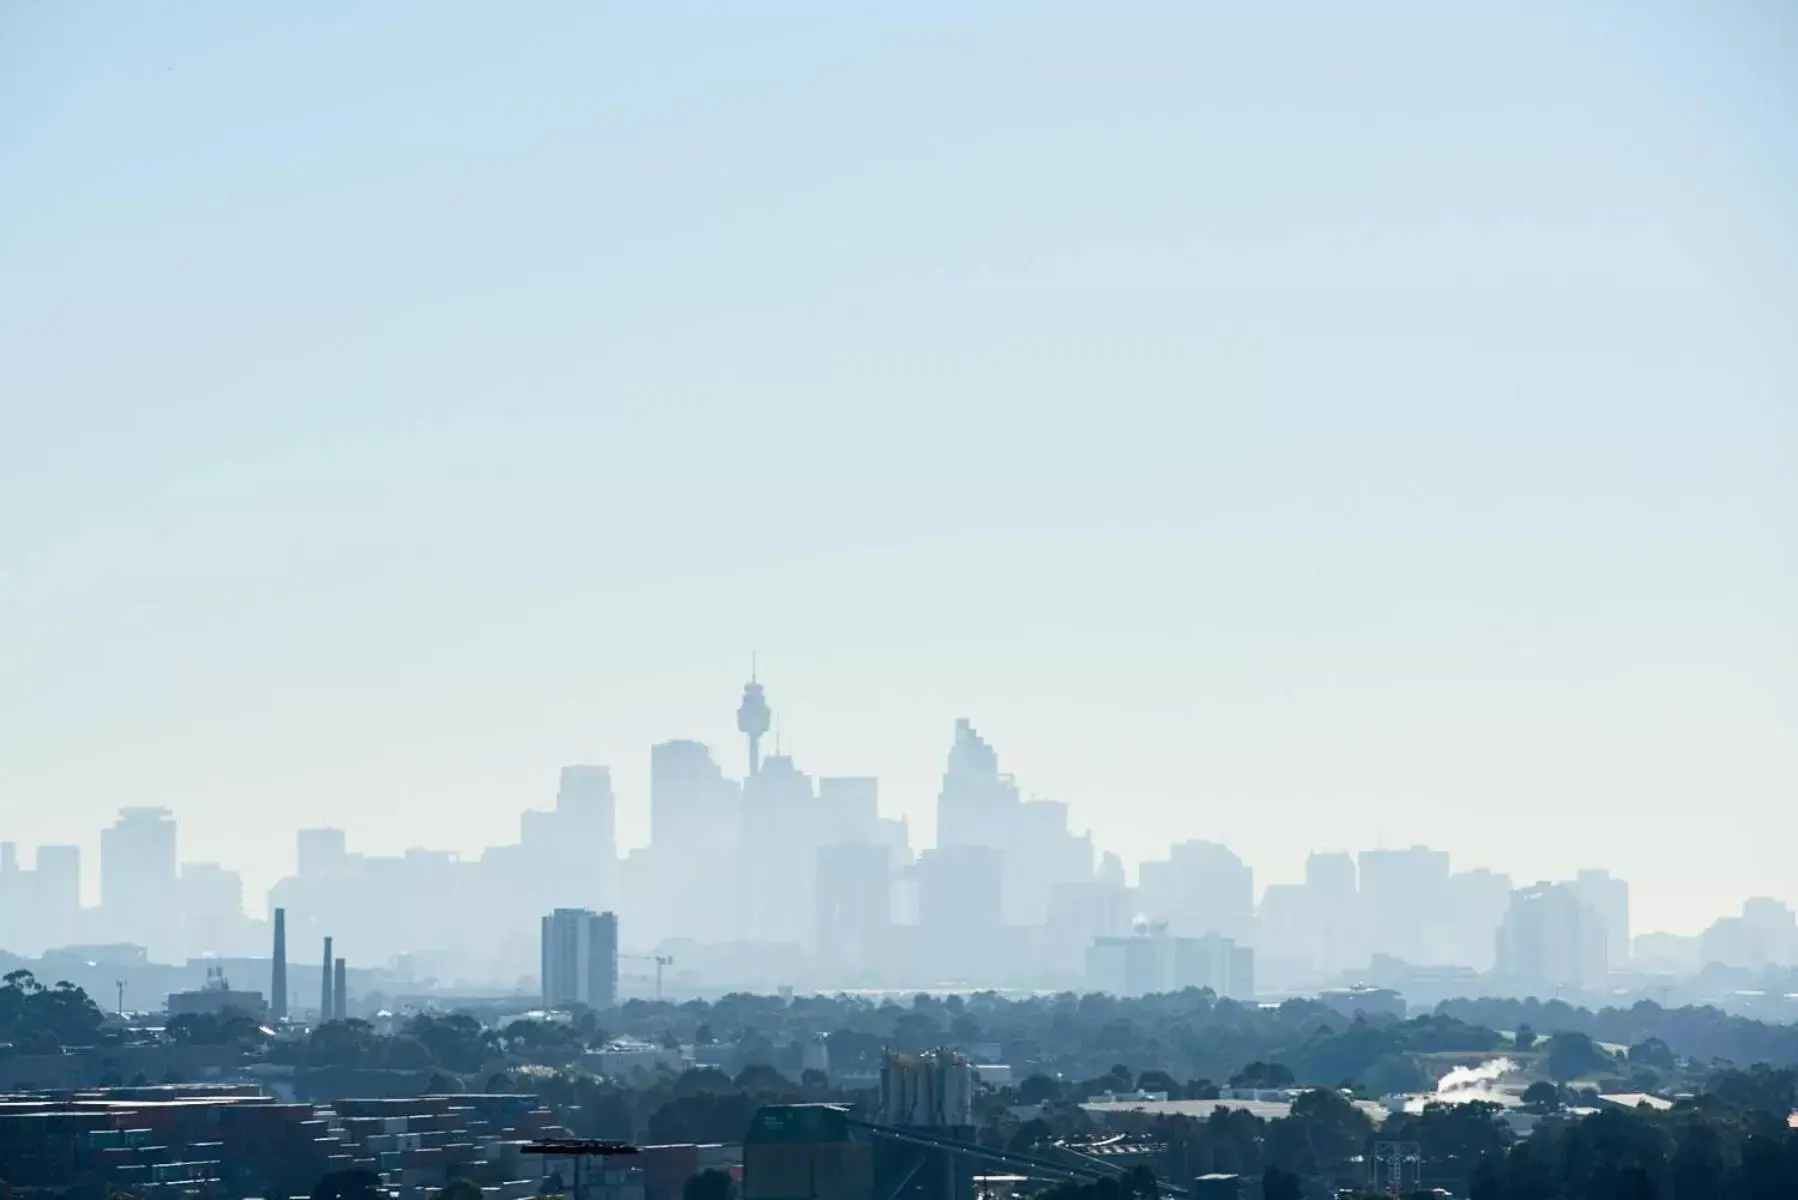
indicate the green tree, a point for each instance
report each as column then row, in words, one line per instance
column 1653, row 1052
column 456, row 1040
column 1281, row 1185
column 1761, row 1088
column 1524, row 1038
column 1572, row 1054
column 1322, row 1131
column 1541, row 1097
column 1156, row 1080
column 759, row 1077
column 707, row 1185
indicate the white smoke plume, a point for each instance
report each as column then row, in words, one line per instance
column 1463, row 1079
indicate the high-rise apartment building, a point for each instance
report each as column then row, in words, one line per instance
column 580, row 958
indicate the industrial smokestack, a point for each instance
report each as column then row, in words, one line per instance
column 277, row 983
column 340, row 993
column 324, row 987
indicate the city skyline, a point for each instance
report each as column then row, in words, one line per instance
column 142, row 843
column 1248, row 445
column 898, row 602
column 196, row 870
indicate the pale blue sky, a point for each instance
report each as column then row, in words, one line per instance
column 1288, row 424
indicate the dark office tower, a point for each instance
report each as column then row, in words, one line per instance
column 753, row 718
column 324, row 987
column 340, row 992
column 277, row 981
column 580, row 958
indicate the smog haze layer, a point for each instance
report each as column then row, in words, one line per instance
column 1279, row 431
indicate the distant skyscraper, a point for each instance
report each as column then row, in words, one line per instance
column 1772, row 919
column 977, row 804
column 138, row 876
column 1203, row 887
column 854, row 900
column 1152, row 961
column 1609, row 897
column 320, row 852
column 587, row 812
column 1403, row 893
column 1331, row 876
column 753, row 718
column 211, row 909
column 782, row 829
column 691, row 803
column 1476, row 905
column 58, row 891
column 981, row 806
column 850, row 808
column 1111, row 870
column 580, row 958
column 1079, row 912
column 961, row 908
column 1551, row 941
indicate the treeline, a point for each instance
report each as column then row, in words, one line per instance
column 35, row 1019
column 1701, row 1032
column 1730, row 1142
column 1181, row 1043
column 1707, row 1148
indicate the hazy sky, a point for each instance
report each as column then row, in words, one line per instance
column 1294, row 425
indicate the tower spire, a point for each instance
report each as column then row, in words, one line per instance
column 753, row 718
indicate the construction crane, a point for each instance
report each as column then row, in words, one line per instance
column 660, row 960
